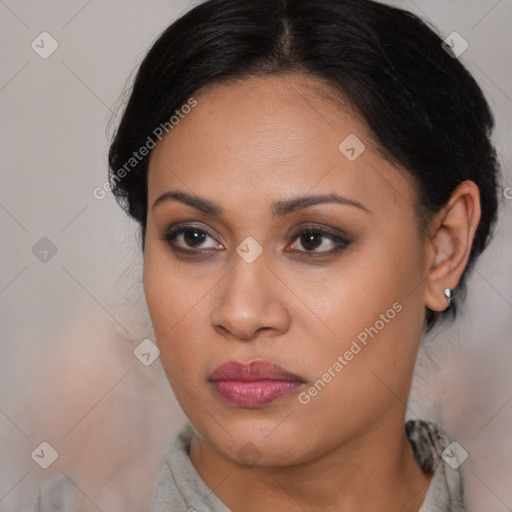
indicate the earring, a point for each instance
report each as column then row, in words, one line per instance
column 448, row 295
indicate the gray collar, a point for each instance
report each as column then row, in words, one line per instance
column 179, row 486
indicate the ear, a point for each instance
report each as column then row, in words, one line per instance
column 450, row 240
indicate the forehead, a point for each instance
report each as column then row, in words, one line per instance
column 264, row 138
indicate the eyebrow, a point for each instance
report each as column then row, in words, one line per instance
column 279, row 208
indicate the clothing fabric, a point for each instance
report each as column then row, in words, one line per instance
column 179, row 488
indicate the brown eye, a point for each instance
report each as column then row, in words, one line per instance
column 319, row 241
column 311, row 240
column 188, row 238
column 194, row 237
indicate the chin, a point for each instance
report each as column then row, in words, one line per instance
column 256, row 441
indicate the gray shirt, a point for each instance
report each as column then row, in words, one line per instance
column 179, row 488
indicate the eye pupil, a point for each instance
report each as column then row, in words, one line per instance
column 197, row 238
column 309, row 239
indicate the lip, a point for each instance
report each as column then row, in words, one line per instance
column 253, row 384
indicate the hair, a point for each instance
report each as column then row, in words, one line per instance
column 424, row 110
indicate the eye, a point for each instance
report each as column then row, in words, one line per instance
column 316, row 240
column 190, row 239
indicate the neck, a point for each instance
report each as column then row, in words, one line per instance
column 374, row 468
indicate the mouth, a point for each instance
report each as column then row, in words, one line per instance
column 254, row 384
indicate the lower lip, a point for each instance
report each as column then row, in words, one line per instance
column 253, row 394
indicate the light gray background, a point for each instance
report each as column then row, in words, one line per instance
column 68, row 375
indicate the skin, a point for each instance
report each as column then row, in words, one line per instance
column 246, row 145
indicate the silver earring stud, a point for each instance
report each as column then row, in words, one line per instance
column 448, row 295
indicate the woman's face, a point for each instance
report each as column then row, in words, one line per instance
column 253, row 278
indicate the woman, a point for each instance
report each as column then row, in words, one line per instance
column 313, row 182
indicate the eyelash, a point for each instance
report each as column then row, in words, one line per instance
column 342, row 242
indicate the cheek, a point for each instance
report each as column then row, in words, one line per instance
column 170, row 302
column 364, row 369
column 374, row 315
column 169, row 291
column 354, row 293
column 170, row 298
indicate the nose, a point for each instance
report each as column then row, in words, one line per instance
column 250, row 301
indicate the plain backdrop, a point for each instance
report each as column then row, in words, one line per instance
column 73, row 315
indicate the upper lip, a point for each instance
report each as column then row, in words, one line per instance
column 252, row 371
